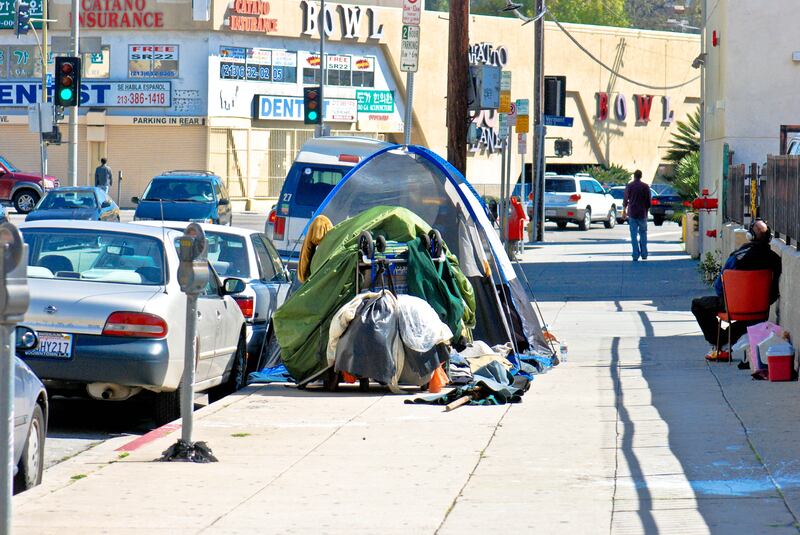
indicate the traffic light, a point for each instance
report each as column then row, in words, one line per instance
column 555, row 95
column 23, row 24
column 563, row 147
column 312, row 106
column 68, row 82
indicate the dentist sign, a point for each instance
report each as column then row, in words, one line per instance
column 101, row 94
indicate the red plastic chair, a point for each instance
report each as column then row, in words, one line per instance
column 747, row 296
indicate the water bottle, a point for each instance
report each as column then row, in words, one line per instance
column 562, row 352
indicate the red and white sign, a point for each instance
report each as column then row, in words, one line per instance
column 522, row 144
column 337, row 63
column 363, row 64
column 412, row 12
column 512, row 114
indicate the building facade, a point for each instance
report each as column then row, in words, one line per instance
column 218, row 86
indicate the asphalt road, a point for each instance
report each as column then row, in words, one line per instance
column 78, row 424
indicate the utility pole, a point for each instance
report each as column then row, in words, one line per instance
column 539, row 129
column 45, row 55
column 322, row 25
column 73, row 113
column 457, row 80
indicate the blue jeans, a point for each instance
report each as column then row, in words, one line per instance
column 638, row 229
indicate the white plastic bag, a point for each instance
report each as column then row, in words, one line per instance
column 763, row 347
column 420, row 326
column 741, row 348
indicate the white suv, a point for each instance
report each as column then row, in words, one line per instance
column 578, row 199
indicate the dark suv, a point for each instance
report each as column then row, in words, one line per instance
column 198, row 196
column 22, row 189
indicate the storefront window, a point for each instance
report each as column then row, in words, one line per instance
column 364, row 71
column 232, row 63
column 20, row 61
column 338, row 70
column 284, row 66
column 257, row 64
column 153, row 61
column 311, row 70
column 96, row 65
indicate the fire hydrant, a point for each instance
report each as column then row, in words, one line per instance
column 516, row 228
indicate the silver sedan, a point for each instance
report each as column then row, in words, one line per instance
column 110, row 315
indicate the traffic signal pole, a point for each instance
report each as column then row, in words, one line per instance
column 322, row 24
column 73, row 113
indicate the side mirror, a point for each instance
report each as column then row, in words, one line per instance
column 233, row 286
column 26, row 338
column 135, row 200
column 224, row 202
column 105, row 204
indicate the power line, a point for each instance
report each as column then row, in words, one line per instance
column 612, row 70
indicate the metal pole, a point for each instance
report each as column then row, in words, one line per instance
column 538, row 119
column 508, row 186
column 7, row 418
column 501, row 204
column 409, row 105
column 187, row 380
column 73, row 114
column 119, row 185
column 703, row 176
column 322, row 70
column 42, row 150
column 45, row 57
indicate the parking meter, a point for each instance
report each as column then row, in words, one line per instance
column 193, row 267
column 193, row 273
column 14, row 300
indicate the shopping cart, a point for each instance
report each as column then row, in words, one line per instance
column 383, row 264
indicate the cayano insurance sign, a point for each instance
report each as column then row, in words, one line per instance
column 100, row 94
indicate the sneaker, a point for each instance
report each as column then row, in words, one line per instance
column 644, row 258
column 718, row 356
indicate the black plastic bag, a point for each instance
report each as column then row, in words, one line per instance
column 367, row 347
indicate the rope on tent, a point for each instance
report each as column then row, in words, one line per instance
column 535, row 302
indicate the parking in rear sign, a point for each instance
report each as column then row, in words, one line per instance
column 409, row 49
column 412, row 12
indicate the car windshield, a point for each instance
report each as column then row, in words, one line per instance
column 8, row 165
column 91, row 255
column 559, row 185
column 179, row 190
column 228, row 254
column 617, row 193
column 72, row 200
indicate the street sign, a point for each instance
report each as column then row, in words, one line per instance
column 523, row 124
column 504, row 130
column 522, row 106
column 522, row 144
column 412, row 12
column 555, row 120
column 505, row 81
column 512, row 114
column 505, row 92
column 409, row 49
column 45, row 122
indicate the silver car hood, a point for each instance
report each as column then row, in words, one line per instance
column 81, row 307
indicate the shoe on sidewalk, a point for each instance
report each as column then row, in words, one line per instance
column 718, row 356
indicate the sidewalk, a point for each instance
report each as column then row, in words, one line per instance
column 634, row 434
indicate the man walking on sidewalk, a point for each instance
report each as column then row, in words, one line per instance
column 636, row 203
column 102, row 176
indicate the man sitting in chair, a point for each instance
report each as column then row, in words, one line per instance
column 754, row 255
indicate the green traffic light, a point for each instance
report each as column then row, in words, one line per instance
column 65, row 94
column 312, row 116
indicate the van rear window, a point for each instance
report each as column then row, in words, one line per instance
column 559, row 185
column 315, row 183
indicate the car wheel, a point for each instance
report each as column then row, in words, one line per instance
column 167, row 407
column 31, row 464
column 658, row 221
column 25, row 200
column 561, row 224
column 587, row 220
column 238, row 377
column 611, row 220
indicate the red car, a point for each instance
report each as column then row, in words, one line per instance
column 22, row 189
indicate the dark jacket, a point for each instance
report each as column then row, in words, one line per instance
column 102, row 176
column 753, row 256
column 637, row 199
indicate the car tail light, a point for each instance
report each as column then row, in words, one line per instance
column 273, row 214
column 575, row 197
column 247, row 304
column 135, row 325
column 687, row 204
column 570, row 214
column 348, row 158
column 280, row 228
column 655, row 202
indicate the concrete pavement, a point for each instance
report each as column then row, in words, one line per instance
column 635, row 433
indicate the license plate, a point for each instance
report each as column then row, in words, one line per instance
column 56, row 345
column 670, row 212
column 549, row 212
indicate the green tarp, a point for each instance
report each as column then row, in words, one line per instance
column 302, row 323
